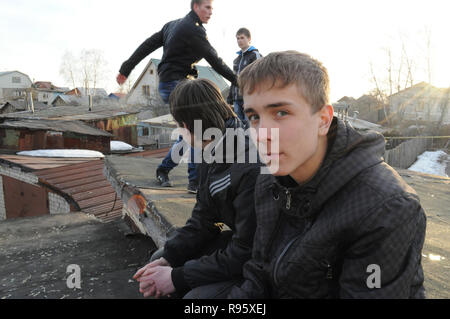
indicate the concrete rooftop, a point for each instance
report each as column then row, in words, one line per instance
column 35, row 253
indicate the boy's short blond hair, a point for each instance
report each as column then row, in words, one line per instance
column 281, row 69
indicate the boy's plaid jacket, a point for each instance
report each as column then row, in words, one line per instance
column 356, row 230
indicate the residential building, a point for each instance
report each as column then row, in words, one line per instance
column 46, row 92
column 421, row 102
column 145, row 89
column 14, row 85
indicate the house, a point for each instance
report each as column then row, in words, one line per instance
column 421, row 102
column 156, row 132
column 14, row 84
column 11, row 106
column 66, row 100
column 46, row 92
column 36, row 134
column 117, row 120
column 145, row 89
column 369, row 108
column 86, row 92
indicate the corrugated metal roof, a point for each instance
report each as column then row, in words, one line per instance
column 54, row 125
column 32, row 163
column 87, row 186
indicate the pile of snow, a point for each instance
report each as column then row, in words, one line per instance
column 431, row 163
column 62, row 153
column 120, row 146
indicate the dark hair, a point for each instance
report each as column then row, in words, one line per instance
column 199, row 99
column 244, row 31
column 281, row 69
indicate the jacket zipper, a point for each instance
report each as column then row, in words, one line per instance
column 277, row 264
column 272, row 238
column 288, row 199
column 291, row 242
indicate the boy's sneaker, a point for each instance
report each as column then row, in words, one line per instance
column 163, row 177
column 193, row 187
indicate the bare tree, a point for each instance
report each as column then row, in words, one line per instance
column 69, row 68
column 86, row 70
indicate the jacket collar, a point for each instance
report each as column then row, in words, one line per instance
column 195, row 17
column 250, row 49
column 349, row 153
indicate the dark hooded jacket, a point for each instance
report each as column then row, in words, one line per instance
column 225, row 196
column 185, row 43
column 332, row 236
column 240, row 63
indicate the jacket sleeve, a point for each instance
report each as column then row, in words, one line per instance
column 201, row 43
column 147, row 47
column 385, row 260
column 227, row 264
column 230, row 95
column 199, row 229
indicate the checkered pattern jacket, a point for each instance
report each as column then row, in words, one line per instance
column 356, row 230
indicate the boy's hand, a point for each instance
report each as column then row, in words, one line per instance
column 121, row 79
column 146, row 269
column 158, row 282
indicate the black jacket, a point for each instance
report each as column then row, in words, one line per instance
column 225, row 196
column 319, row 240
column 185, row 44
column 242, row 61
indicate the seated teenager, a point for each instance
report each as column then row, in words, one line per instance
column 201, row 258
column 333, row 220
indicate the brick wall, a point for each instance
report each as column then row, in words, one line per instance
column 57, row 204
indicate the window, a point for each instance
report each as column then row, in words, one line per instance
column 151, row 71
column 16, row 79
column 146, row 90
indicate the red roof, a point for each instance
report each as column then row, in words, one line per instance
column 87, row 186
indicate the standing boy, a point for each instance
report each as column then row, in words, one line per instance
column 335, row 221
column 246, row 55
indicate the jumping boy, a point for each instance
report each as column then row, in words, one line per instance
column 335, row 221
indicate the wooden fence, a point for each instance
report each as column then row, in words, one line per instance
column 404, row 155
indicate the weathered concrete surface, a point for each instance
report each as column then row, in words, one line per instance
column 434, row 193
column 35, row 253
column 158, row 210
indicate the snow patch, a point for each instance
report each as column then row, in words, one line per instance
column 120, row 146
column 62, row 153
column 431, row 163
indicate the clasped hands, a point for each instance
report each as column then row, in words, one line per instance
column 155, row 279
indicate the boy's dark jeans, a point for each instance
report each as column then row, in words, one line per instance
column 165, row 88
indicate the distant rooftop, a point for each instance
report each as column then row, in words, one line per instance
column 73, row 113
column 54, row 125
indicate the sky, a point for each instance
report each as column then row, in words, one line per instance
column 347, row 36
